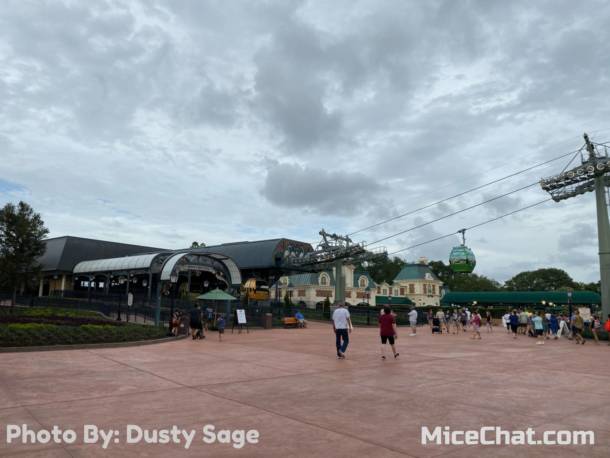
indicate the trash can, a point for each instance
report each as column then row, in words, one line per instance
column 267, row 321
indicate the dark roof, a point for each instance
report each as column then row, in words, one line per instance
column 415, row 272
column 63, row 253
column 257, row 254
column 520, row 297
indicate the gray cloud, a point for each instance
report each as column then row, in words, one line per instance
column 324, row 191
column 168, row 115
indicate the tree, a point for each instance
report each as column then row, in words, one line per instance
column 22, row 234
column 549, row 279
column 383, row 268
column 461, row 281
column 197, row 244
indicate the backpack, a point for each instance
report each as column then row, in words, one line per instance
column 607, row 325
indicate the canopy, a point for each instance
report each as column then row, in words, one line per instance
column 216, row 295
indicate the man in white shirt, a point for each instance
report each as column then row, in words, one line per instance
column 342, row 325
column 506, row 321
column 413, row 322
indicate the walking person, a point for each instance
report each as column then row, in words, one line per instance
column 538, row 328
column 463, row 320
column 563, row 326
column 506, row 321
column 475, row 321
column 440, row 315
column 578, row 325
column 488, row 322
column 553, row 326
column 342, row 326
column 413, row 322
column 387, row 331
column 523, row 320
column 514, row 323
column 607, row 328
column 220, row 325
column 195, row 323
column 596, row 326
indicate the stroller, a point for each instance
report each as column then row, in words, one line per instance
column 436, row 326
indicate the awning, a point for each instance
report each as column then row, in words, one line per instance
column 143, row 261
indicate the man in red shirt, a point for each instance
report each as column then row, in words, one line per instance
column 387, row 330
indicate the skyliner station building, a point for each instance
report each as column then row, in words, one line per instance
column 73, row 265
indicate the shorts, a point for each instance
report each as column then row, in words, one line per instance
column 475, row 327
column 413, row 323
column 221, row 331
column 522, row 325
column 539, row 332
column 389, row 339
column 514, row 327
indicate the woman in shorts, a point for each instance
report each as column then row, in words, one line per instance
column 475, row 321
column 387, row 331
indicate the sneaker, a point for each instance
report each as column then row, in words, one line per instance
column 383, row 357
column 412, row 335
column 539, row 343
column 396, row 355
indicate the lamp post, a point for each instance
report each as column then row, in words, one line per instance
column 173, row 278
column 569, row 294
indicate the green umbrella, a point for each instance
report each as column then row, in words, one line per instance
column 216, row 295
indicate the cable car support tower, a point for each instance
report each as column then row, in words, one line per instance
column 590, row 176
column 332, row 253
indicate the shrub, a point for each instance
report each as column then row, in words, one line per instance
column 26, row 334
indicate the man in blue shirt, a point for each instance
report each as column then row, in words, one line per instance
column 301, row 319
column 538, row 328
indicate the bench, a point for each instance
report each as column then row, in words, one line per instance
column 290, row 321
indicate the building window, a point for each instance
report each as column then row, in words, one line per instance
column 363, row 282
column 385, row 291
column 402, row 291
column 411, row 288
column 378, row 290
column 301, row 293
column 323, row 280
column 434, row 289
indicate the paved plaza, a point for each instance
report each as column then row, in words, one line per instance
column 288, row 385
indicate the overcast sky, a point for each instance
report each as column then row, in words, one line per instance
column 164, row 122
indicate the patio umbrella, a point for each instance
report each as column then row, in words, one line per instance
column 218, row 295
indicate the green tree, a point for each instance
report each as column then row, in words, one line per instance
column 22, row 232
column 461, row 281
column 383, row 268
column 548, row 279
column 197, row 244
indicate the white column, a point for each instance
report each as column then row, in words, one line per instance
column 63, row 284
column 40, row 287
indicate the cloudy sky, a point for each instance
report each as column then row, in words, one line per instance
column 164, row 122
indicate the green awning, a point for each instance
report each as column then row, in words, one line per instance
column 216, row 295
column 520, row 297
column 392, row 300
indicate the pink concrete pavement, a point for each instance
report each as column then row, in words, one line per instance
column 289, row 386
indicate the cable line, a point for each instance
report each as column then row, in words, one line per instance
column 452, row 214
column 471, row 227
column 476, row 188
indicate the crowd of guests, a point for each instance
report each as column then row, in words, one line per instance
column 548, row 325
column 542, row 325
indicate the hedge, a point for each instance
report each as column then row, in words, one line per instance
column 28, row 334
